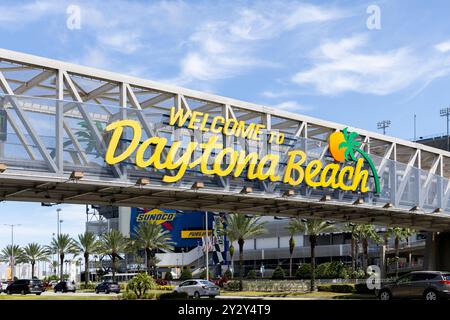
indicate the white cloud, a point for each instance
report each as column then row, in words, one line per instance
column 220, row 49
column 443, row 46
column 346, row 65
column 291, row 106
column 20, row 14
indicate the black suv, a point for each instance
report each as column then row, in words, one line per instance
column 25, row 286
column 107, row 287
column 65, row 286
column 428, row 285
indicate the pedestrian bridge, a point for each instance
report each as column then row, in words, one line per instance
column 57, row 124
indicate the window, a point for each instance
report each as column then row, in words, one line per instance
column 423, row 276
column 446, row 276
column 405, row 279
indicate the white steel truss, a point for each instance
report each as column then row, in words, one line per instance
column 73, row 103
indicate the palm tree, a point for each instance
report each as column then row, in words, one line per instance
column 12, row 254
column 365, row 233
column 231, row 251
column 352, row 146
column 292, row 228
column 63, row 244
column 398, row 234
column 33, row 253
column 150, row 237
column 113, row 243
column 54, row 266
column 351, row 227
column 312, row 228
column 87, row 244
column 241, row 228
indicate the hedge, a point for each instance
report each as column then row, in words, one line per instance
column 362, row 288
column 338, row 288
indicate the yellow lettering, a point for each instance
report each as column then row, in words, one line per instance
column 361, row 177
column 214, row 122
column 347, row 170
column 312, row 170
column 295, row 166
column 243, row 160
column 115, row 138
column 226, row 129
column 329, row 181
column 194, row 119
column 155, row 158
column 220, row 160
column 243, row 130
column 178, row 114
column 271, row 171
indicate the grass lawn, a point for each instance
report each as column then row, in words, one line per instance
column 54, row 297
column 301, row 295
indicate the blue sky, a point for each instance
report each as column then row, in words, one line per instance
column 317, row 58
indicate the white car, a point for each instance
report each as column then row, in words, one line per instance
column 198, row 288
column 3, row 285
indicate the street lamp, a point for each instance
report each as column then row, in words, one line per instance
column 58, row 222
column 12, row 258
column 445, row 112
column 60, row 225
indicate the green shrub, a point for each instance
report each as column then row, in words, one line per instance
column 278, row 273
column 358, row 274
column 324, row 287
column 52, row 278
column 173, row 296
column 232, row 285
column 185, row 274
column 251, row 274
column 140, row 284
column 202, row 275
column 362, row 288
column 338, row 288
column 303, row 271
column 129, row 295
column 168, row 276
column 228, row 274
column 331, row 270
column 342, row 288
column 322, row 270
column 89, row 286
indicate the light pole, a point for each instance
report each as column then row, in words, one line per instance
column 58, row 222
column 383, row 125
column 12, row 258
column 60, row 225
column 445, row 112
column 207, row 246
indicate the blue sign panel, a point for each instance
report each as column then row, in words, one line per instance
column 175, row 222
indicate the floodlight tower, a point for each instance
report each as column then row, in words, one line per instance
column 383, row 125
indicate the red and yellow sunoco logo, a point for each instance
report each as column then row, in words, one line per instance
column 155, row 216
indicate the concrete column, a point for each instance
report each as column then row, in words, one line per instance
column 437, row 250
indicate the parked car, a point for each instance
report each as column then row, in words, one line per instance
column 428, row 285
column 25, row 286
column 65, row 286
column 198, row 288
column 107, row 287
column 3, row 286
